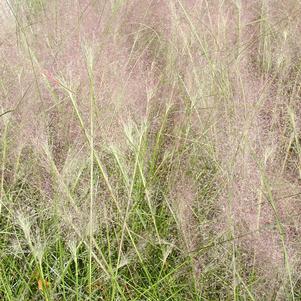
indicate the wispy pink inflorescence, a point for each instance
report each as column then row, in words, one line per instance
column 226, row 68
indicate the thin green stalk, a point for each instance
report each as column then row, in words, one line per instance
column 3, row 165
column 92, row 100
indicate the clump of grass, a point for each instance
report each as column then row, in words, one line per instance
column 149, row 154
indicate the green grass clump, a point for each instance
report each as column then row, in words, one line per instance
column 149, row 153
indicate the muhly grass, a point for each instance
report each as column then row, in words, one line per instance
column 150, row 150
